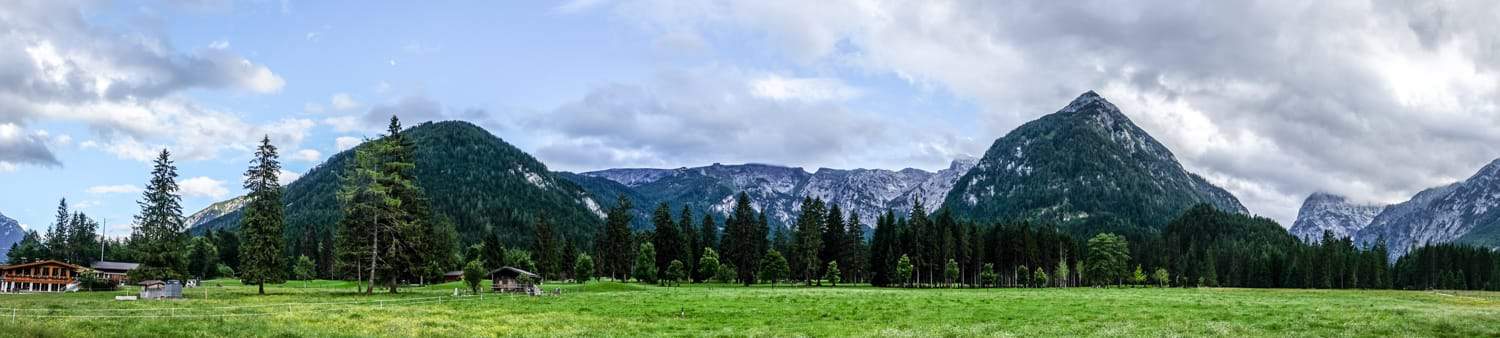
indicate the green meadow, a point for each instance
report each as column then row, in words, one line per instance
column 225, row 308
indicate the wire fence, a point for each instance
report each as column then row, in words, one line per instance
column 229, row 311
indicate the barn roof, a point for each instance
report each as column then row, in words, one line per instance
column 511, row 272
column 121, row 266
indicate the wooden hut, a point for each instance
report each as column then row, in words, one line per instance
column 510, row 279
column 453, row 276
column 39, row 276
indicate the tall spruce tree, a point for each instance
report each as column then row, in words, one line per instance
column 615, row 244
column 835, row 245
column 668, row 239
column 545, row 248
column 691, row 249
column 808, row 240
column 57, row 235
column 744, row 240
column 160, row 235
column 262, row 260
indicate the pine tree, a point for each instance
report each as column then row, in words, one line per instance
column 744, row 240
column 203, row 258
column 583, row 268
column 615, row 243
column 709, row 233
column 408, row 248
column 57, row 234
column 83, row 241
column 29, row 249
column 808, row 240
column 835, row 244
column 857, row 252
column 689, row 239
column 262, row 258
column 668, row 239
column 160, row 233
column 831, row 273
column 544, row 246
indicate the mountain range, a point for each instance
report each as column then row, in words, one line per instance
column 775, row 190
column 1463, row 212
column 10, row 234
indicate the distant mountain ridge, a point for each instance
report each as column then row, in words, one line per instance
column 10, row 234
column 1334, row 213
column 1464, row 212
column 775, row 190
column 1086, row 167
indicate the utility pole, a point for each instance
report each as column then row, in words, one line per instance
column 102, row 231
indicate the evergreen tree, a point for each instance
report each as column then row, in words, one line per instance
column 689, row 238
column 409, row 249
column 834, row 243
column 493, row 252
column 883, row 250
column 987, row 276
column 57, row 234
column 857, row 252
column 545, row 247
column 160, row 234
column 228, row 243
column 744, row 240
column 261, row 228
column 83, row 240
column 615, row 243
column 29, row 249
column 808, row 240
column 709, row 233
column 1107, row 257
column 303, row 269
column 667, row 240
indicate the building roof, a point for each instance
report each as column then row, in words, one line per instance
column 121, row 266
column 511, row 272
column 454, row 273
column 45, row 262
column 152, row 282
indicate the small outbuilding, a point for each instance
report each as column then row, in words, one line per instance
column 453, row 276
column 510, row 279
column 155, row 289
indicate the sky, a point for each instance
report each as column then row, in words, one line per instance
column 1272, row 100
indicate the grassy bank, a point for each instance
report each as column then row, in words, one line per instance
column 331, row 308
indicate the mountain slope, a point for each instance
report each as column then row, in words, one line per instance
column 478, row 181
column 1329, row 212
column 10, row 234
column 1086, row 167
column 776, row 190
column 1460, row 212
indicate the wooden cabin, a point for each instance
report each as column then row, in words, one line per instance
column 453, row 276
column 114, row 271
column 39, row 276
column 510, row 279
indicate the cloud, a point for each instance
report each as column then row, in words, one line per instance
column 342, row 101
column 307, row 155
column 17, row 147
column 343, row 143
column 1272, row 100
column 411, row 109
column 113, row 189
column 701, row 116
column 203, row 187
column 124, row 85
column 286, row 177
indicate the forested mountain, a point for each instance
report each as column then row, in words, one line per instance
column 1333, row 213
column 10, row 234
column 220, row 215
column 1087, row 168
column 479, row 182
column 776, row 190
column 1463, row 212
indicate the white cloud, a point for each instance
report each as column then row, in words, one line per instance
column 286, row 177
column 778, row 87
column 307, row 155
column 344, row 124
column 219, row 44
column 203, row 187
column 343, row 143
column 342, row 101
column 122, row 84
column 113, row 189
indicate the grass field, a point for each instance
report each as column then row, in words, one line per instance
column 330, row 308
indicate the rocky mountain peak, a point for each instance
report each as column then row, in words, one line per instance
column 1333, row 213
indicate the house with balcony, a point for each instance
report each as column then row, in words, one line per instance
column 39, row 276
